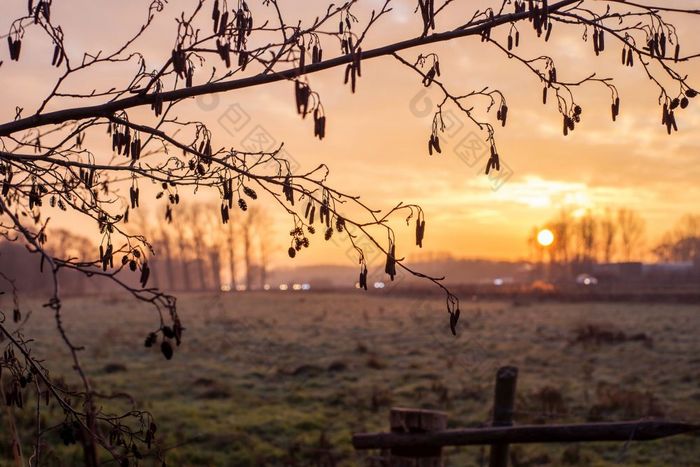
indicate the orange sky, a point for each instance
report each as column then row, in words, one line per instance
column 376, row 144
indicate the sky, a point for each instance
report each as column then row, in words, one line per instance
column 376, row 143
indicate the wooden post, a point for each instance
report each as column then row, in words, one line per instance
column 416, row 421
column 503, row 403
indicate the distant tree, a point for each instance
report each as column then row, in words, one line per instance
column 230, row 242
column 249, row 240
column 534, row 248
column 198, row 223
column 631, row 227
column 608, row 235
column 265, row 244
column 215, row 268
column 184, row 255
column 586, row 230
column 211, row 234
column 52, row 156
column 563, row 228
column 141, row 225
column 164, row 247
column 682, row 243
column 69, row 244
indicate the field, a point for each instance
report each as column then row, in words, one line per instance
column 286, row 378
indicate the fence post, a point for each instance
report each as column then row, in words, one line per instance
column 503, row 404
column 416, row 421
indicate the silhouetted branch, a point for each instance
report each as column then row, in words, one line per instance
column 45, row 158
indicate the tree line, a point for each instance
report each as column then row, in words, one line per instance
column 613, row 236
column 199, row 254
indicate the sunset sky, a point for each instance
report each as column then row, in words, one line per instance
column 376, row 142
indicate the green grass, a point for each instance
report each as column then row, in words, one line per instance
column 286, row 378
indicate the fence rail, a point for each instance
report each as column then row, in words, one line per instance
column 643, row 430
column 421, row 434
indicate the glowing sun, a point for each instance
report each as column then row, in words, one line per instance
column 545, row 237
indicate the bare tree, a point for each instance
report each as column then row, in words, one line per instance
column 215, row 268
column 165, row 249
column 50, row 159
column 67, row 244
column 141, row 223
column 210, row 232
column 563, row 229
column 587, row 226
column 196, row 222
column 265, row 244
column 231, row 250
column 249, row 238
column 682, row 243
column 184, row 249
column 608, row 235
column 631, row 227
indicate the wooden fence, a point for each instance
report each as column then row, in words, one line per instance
column 416, row 437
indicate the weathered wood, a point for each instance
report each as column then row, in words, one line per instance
column 414, row 421
column 642, row 430
column 417, row 436
column 503, row 404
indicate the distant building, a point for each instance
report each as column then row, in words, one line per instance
column 676, row 273
column 629, row 270
column 684, row 267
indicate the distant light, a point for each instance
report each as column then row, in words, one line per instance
column 296, row 287
column 498, row 282
column 545, row 237
column 241, row 287
column 284, row 286
column 379, row 285
column 357, row 285
column 586, row 279
column 266, row 287
column 225, row 287
column 305, row 286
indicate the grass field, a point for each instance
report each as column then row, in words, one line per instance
column 286, row 378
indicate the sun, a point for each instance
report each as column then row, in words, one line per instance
column 545, row 237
